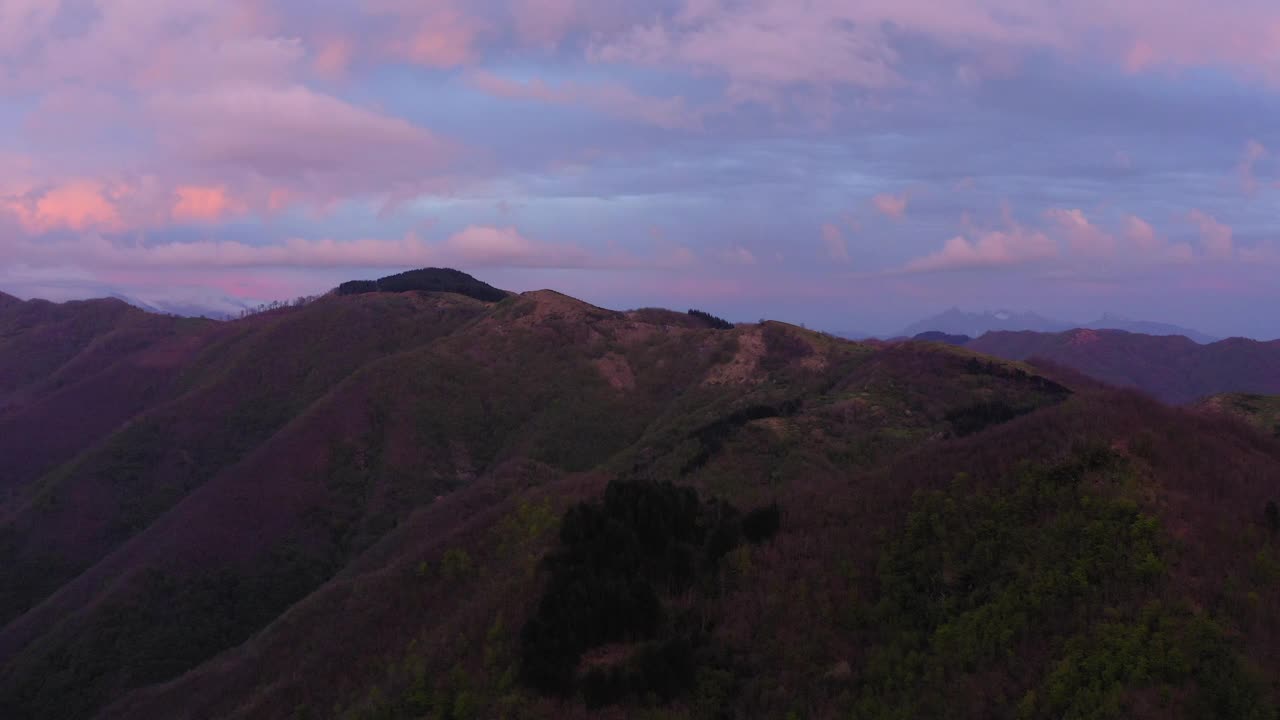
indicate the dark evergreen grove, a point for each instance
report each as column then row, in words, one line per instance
column 426, row 280
column 618, row 563
column 716, row 323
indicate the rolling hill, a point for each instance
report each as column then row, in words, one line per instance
column 419, row 503
column 1171, row 368
column 1261, row 411
column 70, row 374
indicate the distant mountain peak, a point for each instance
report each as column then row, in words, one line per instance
column 958, row 322
column 111, row 301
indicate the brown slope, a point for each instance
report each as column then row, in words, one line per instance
column 116, row 376
column 1173, row 369
column 1259, row 411
column 522, row 382
column 858, row 401
column 385, row 621
column 249, row 379
column 38, row 337
column 399, row 595
column 540, row 379
column 1206, row 481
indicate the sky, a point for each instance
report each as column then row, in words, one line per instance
column 851, row 164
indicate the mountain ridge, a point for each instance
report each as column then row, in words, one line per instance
column 350, row 507
column 1261, row 411
column 1175, row 369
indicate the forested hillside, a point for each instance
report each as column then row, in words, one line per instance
column 408, row 503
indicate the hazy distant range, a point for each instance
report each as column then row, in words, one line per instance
column 952, row 322
column 958, row 322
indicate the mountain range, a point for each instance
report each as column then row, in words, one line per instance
column 425, row 497
column 958, row 322
column 1172, row 368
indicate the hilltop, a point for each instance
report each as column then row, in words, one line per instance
column 422, row 503
column 945, row 339
column 426, row 280
column 1261, row 411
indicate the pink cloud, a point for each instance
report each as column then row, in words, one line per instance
column 78, row 205
column 1141, row 234
column 474, row 246
column 678, row 257
column 153, row 46
column 445, row 37
column 1184, row 33
column 995, row 249
column 1152, row 246
column 834, row 242
column 280, row 198
column 1140, row 56
column 58, row 117
column 200, row 203
column 1215, row 237
column 202, row 89
column 1083, row 237
column 1180, row 253
column 333, row 57
column 894, row 206
column 766, row 49
column 316, row 143
column 506, row 246
column 208, row 102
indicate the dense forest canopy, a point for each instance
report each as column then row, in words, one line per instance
column 426, row 280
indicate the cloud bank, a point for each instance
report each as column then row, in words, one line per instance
column 1009, row 150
